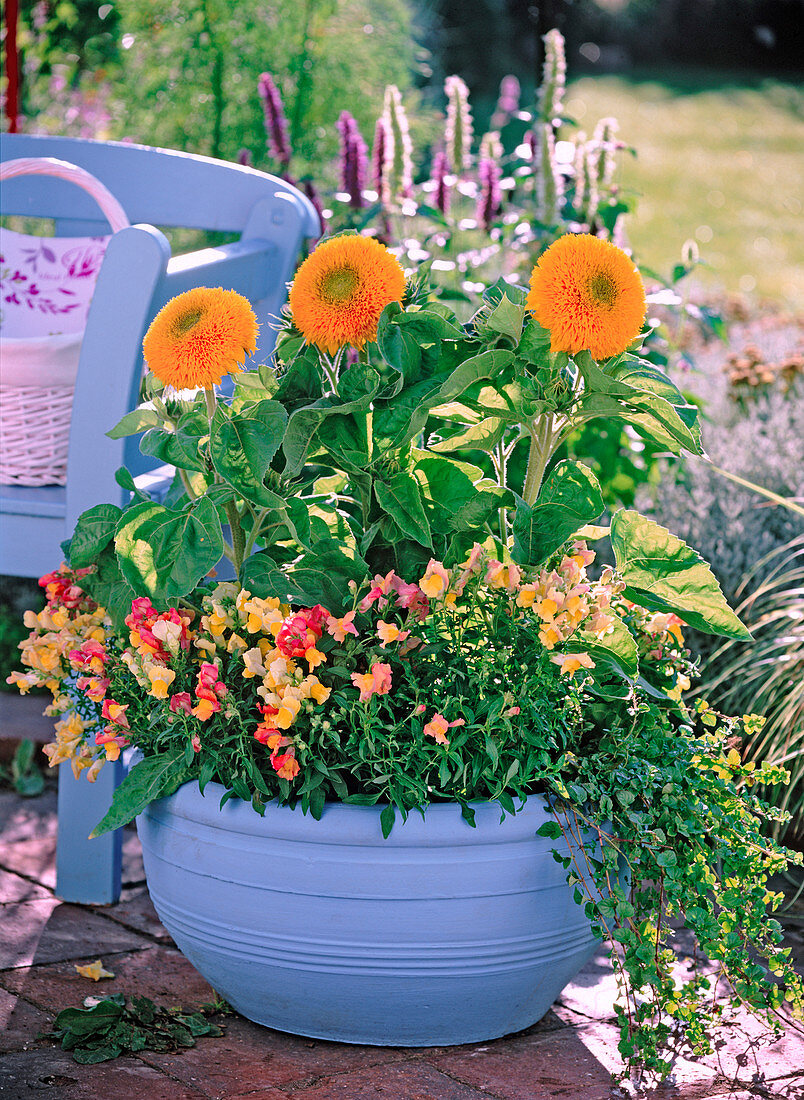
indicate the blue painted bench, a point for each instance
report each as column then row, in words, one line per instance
column 157, row 188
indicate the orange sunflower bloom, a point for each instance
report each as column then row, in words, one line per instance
column 200, row 336
column 341, row 289
column 588, row 293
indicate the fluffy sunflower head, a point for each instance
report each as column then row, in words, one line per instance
column 588, row 293
column 200, row 336
column 341, row 289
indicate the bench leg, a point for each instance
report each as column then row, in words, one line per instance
column 87, row 871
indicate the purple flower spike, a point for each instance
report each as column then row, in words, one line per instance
column 313, row 196
column 276, row 125
column 442, row 188
column 353, row 160
column 379, row 154
column 489, row 199
column 244, row 158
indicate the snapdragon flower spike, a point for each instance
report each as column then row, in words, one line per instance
column 458, row 132
column 399, row 151
column 61, row 589
column 94, row 687
column 154, row 635
column 379, row 157
column 111, row 739
column 489, row 197
column 91, row 657
column 209, row 691
column 443, row 192
column 554, row 77
column 377, row 681
column 301, row 631
column 276, row 126
column 181, row 703
column 353, row 160
column 438, row 725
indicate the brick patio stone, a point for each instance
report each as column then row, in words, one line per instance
column 135, row 910
column 32, row 857
column 20, row 1022
column 50, row 931
column 23, row 818
column 14, row 888
column 409, row 1080
column 536, row 1065
column 163, row 974
column 52, row 1073
column 258, row 1057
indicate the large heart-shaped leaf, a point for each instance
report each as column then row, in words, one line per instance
column 322, row 575
column 93, row 532
column 400, row 496
column 182, row 446
column 506, row 318
column 635, row 391
column 164, row 553
column 262, row 576
column 569, row 498
column 483, row 436
column 662, row 573
column 137, row 421
column 108, row 587
column 305, row 422
column 616, row 650
column 242, row 448
column 457, row 497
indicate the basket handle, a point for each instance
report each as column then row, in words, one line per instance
column 50, row 166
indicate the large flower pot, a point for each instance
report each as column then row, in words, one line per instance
column 441, row 934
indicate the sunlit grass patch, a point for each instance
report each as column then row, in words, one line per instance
column 722, row 166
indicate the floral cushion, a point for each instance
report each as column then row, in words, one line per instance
column 46, row 283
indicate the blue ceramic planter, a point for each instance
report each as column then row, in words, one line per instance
column 441, row 934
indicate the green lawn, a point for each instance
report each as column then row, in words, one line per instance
column 723, row 166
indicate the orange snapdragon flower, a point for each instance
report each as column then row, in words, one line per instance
column 375, row 682
column 438, row 725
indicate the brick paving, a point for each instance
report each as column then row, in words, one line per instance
column 569, row 1055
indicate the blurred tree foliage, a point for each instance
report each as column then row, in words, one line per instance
column 183, row 73
column 485, row 39
column 78, row 36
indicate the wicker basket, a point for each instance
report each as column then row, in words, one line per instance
column 38, row 372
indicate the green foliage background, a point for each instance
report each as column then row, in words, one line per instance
column 184, row 72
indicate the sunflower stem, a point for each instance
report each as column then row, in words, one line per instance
column 542, row 448
column 230, row 508
column 330, row 368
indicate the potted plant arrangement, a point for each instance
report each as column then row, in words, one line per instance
column 403, row 770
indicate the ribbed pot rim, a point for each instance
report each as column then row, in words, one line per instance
column 342, row 823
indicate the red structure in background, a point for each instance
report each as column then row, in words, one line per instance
column 12, row 66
